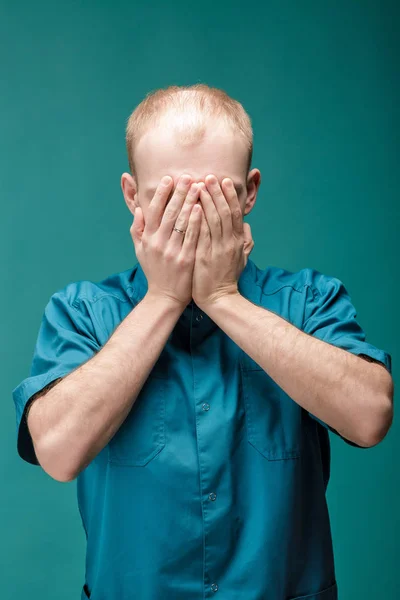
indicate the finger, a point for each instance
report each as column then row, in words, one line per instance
column 222, row 207
column 205, row 234
column 248, row 239
column 157, row 204
column 247, row 233
column 210, row 211
column 137, row 226
column 233, row 202
column 192, row 232
column 175, row 205
column 183, row 218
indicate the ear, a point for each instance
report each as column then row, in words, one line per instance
column 129, row 190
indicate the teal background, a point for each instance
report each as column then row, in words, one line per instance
column 321, row 85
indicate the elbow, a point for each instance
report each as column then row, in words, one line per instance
column 60, row 475
column 379, row 425
column 56, row 472
column 63, row 477
column 381, row 418
column 50, row 459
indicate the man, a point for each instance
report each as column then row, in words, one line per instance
column 192, row 395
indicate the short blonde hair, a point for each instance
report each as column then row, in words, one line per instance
column 195, row 104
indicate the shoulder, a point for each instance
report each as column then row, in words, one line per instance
column 307, row 281
column 85, row 291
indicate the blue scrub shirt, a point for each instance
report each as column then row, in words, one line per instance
column 214, row 485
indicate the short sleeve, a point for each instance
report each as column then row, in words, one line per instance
column 66, row 339
column 331, row 316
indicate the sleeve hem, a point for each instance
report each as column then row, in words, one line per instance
column 22, row 395
column 356, row 347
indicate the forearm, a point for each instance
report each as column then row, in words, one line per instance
column 341, row 389
column 72, row 422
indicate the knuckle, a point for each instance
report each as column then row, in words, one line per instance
column 183, row 261
column 157, row 248
column 169, row 255
column 225, row 211
column 180, row 223
column 217, row 221
column 169, row 213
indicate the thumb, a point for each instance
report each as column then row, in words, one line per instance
column 137, row 226
column 248, row 243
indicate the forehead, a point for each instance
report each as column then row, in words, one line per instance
column 218, row 152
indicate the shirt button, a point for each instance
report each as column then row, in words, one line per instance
column 199, row 317
column 206, row 406
column 212, row 496
column 214, row 587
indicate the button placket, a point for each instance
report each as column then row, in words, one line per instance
column 210, row 513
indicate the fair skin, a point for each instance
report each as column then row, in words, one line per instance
column 229, row 159
column 71, row 422
column 74, row 420
column 352, row 395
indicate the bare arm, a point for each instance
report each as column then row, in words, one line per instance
column 71, row 422
column 350, row 394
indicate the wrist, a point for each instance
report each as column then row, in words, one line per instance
column 166, row 300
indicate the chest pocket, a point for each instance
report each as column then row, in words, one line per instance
column 273, row 419
column 141, row 437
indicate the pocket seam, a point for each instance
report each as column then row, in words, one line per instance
column 159, row 446
column 270, row 454
column 316, row 595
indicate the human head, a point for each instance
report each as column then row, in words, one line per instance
column 195, row 129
